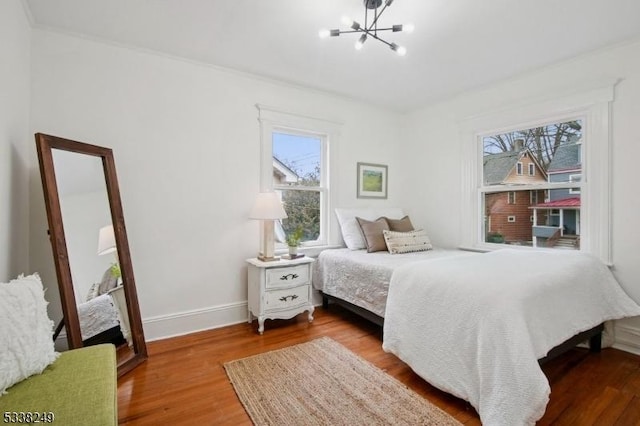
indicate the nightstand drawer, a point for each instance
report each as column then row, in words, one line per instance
column 287, row 277
column 287, row 298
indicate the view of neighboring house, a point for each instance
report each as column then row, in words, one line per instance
column 559, row 215
column 282, row 174
column 507, row 214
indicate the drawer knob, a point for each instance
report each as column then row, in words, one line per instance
column 286, row 277
column 286, row 298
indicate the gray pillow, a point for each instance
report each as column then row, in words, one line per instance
column 108, row 282
column 372, row 232
column 400, row 225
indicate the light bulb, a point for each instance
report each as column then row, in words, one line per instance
column 401, row 51
column 324, row 33
column 347, row 21
column 361, row 41
column 409, row 28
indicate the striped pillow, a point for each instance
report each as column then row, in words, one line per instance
column 406, row 242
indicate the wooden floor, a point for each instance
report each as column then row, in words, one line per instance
column 183, row 381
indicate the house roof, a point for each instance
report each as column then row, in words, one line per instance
column 497, row 166
column 283, row 172
column 566, row 157
column 564, row 203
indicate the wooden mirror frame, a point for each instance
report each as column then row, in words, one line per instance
column 45, row 144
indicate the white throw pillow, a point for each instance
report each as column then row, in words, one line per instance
column 351, row 232
column 407, row 242
column 26, row 343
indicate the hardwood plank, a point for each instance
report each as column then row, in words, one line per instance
column 184, row 382
column 631, row 414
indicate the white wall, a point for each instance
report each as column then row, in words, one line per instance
column 432, row 137
column 186, row 144
column 83, row 215
column 14, row 137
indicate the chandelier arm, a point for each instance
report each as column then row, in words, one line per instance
column 380, row 39
column 379, row 29
column 366, row 17
column 375, row 21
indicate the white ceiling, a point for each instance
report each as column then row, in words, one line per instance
column 457, row 45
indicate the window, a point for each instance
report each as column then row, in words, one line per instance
column 295, row 164
column 572, row 207
column 554, row 148
column 532, row 169
column 519, row 168
column 297, row 177
column 575, row 178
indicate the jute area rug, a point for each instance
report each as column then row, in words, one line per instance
column 323, row 383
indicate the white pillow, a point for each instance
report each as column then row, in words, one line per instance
column 407, row 242
column 26, row 336
column 351, row 232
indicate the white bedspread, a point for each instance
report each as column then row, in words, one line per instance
column 476, row 325
column 97, row 315
column 363, row 278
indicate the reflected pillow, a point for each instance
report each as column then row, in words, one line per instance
column 400, row 225
column 107, row 283
column 407, row 242
column 26, row 332
column 372, row 232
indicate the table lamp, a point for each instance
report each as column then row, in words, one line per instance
column 267, row 208
column 106, row 240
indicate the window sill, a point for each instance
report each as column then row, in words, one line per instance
column 311, row 251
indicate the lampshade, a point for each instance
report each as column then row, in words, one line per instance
column 267, row 206
column 106, row 240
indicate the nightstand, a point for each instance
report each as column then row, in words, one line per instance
column 279, row 290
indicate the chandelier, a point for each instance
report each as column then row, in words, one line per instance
column 370, row 29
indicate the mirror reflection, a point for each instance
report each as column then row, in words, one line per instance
column 91, row 248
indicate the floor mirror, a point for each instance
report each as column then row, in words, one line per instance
column 90, row 248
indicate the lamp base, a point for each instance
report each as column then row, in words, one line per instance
column 268, row 259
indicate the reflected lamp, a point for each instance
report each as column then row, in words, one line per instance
column 106, row 240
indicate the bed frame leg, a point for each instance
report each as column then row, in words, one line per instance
column 595, row 343
column 325, row 302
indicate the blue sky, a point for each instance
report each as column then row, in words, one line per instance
column 303, row 152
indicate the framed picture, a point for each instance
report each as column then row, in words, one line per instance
column 372, row 181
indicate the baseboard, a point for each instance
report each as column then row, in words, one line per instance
column 627, row 338
column 181, row 323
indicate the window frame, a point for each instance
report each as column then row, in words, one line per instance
column 519, row 168
column 272, row 120
column 592, row 106
column 532, row 169
column 572, row 179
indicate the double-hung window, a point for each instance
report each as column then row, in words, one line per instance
column 552, row 149
column 295, row 164
column 564, row 143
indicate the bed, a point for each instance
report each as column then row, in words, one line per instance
column 103, row 319
column 359, row 281
column 474, row 332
